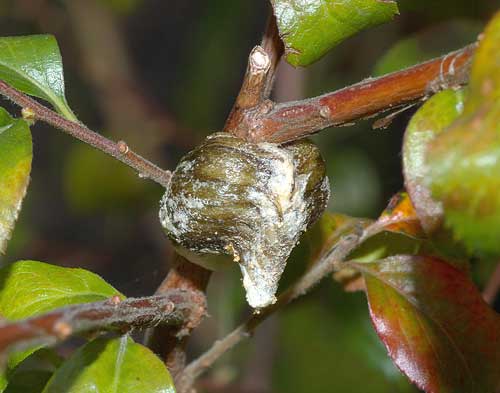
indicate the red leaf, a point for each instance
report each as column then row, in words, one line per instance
column 434, row 324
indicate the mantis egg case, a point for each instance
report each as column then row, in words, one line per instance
column 246, row 201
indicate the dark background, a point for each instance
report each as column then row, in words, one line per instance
column 163, row 74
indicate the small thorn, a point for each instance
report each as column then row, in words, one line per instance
column 62, row 330
column 28, row 115
column 114, row 300
column 325, row 112
column 122, row 147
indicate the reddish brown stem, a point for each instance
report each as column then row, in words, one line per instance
column 170, row 308
column 492, row 288
column 119, row 151
column 294, row 120
column 273, row 46
column 170, row 341
column 252, row 100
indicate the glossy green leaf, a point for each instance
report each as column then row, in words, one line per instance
column 434, row 324
column 33, row 65
column 112, row 366
column 464, row 161
column 30, row 288
column 16, row 153
column 310, row 28
column 430, row 120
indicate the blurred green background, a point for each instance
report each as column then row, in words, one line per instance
column 163, row 74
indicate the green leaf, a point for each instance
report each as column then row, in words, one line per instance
column 3, row 382
column 32, row 374
column 30, row 381
column 310, row 28
column 16, row 153
column 434, row 324
column 30, row 288
column 464, row 161
column 112, row 366
column 430, row 120
column 33, row 65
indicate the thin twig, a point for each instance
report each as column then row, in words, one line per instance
column 253, row 98
column 171, row 308
column 119, row 150
column 170, row 341
column 324, row 267
column 492, row 288
column 274, row 47
column 294, row 120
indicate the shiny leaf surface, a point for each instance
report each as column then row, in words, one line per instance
column 396, row 231
column 434, row 324
column 430, row 120
column 16, row 153
column 311, row 28
column 30, row 288
column 33, row 65
column 464, row 161
column 112, row 366
column 32, row 373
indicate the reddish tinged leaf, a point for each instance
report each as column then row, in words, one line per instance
column 464, row 161
column 430, row 120
column 400, row 216
column 434, row 324
column 397, row 231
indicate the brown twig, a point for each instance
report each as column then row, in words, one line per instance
column 273, row 46
column 324, row 267
column 294, row 120
column 253, row 98
column 114, row 314
column 492, row 288
column 119, row 151
column 255, row 90
column 170, row 341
